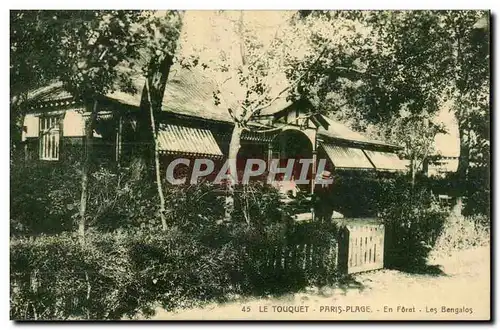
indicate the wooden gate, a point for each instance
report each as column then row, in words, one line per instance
column 361, row 245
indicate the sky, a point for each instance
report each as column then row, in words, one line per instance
column 212, row 32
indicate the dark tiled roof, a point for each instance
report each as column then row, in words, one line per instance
column 189, row 92
column 338, row 130
column 51, row 92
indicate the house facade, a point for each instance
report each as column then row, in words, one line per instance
column 192, row 126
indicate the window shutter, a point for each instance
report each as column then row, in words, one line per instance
column 50, row 136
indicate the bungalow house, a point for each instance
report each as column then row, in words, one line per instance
column 191, row 125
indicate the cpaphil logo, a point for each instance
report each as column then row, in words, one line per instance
column 203, row 167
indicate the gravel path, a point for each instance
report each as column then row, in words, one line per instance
column 462, row 293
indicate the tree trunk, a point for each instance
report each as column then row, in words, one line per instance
column 157, row 161
column 462, row 170
column 16, row 125
column 234, row 148
column 89, row 134
column 464, row 157
column 158, row 72
column 235, row 143
column 460, row 115
column 413, row 169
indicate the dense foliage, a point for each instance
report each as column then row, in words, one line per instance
column 397, row 69
column 128, row 265
column 412, row 214
column 413, row 222
column 461, row 233
column 362, row 203
column 42, row 198
column 45, row 198
column 124, row 273
column 478, row 191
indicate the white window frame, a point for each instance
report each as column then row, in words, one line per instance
column 50, row 137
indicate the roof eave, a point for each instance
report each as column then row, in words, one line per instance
column 361, row 143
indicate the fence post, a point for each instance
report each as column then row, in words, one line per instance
column 343, row 250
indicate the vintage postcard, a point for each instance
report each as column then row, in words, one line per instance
column 250, row 165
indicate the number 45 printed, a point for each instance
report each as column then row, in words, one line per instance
column 246, row 309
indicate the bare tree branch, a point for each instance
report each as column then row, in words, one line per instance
column 242, row 40
column 226, row 104
column 275, row 37
column 233, row 116
column 258, row 109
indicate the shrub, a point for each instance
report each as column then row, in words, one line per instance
column 478, row 192
column 359, row 194
column 122, row 199
column 54, row 277
column 284, row 257
column 42, row 198
column 355, row 193
column 260, row 205
column 475, row 189
column 194, row 208
column 203, row 205
column 111, row 275
column 45, row 199
column 127, row 265
column 460, row 233
column 413, row 222
column 438, row 185
column 175, row 269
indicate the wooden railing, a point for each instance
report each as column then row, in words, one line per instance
column 358, row 247
column 309, row 257
column 308, row 253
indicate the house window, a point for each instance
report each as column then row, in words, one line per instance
column 49, row 138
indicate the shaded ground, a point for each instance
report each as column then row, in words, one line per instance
column 463, row 288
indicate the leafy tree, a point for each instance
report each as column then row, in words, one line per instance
column 469, row 80
column 413, row 60
column 416, row 133
column 28, row 69
column 452, row 50
column 251, row 72
column 370, row 75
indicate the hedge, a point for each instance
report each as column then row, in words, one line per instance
column 124, row 273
